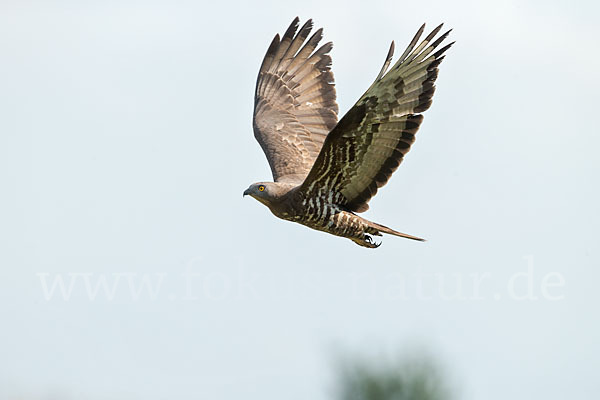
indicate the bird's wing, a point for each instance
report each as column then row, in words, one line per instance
column 367, row 145
column 294, row 104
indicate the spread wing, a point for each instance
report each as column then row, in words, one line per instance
column 370, row 141
column 294, row 104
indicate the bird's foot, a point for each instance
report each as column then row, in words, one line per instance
column 367, row 241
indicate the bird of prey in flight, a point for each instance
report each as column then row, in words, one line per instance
column 325, row 171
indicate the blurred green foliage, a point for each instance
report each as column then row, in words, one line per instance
column 412, row 378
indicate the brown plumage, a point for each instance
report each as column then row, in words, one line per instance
column 326, row 171
column 294, row 103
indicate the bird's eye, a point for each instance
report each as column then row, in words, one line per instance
column 261, row 188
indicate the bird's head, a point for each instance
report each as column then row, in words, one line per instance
column 268, row 192
column 261, row 191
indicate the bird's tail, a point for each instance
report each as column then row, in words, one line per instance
column 390, row 231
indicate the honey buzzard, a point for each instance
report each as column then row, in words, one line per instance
column 325, row 171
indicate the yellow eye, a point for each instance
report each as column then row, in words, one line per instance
column 261, row 188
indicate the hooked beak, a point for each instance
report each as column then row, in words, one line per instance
column 246, row 192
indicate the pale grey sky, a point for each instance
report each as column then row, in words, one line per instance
column 125, row 146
